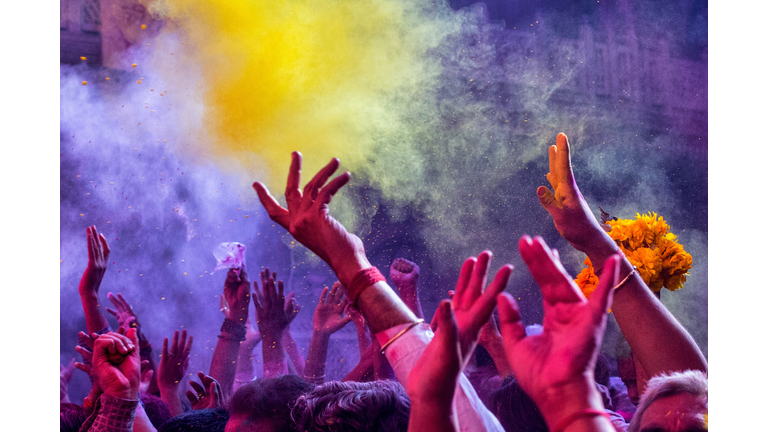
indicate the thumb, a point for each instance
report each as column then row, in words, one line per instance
column 446, row 321
column 546, row 198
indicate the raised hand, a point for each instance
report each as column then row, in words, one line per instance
column 123, row 312
column 433, row 380
column 309, row 222
column 174, row 361
column 236, row 295
column 405, row 276
column 556, row 368
column 272, row 317
column 207, row 395
column 291, row 307
column 329, row 314
column 117, row 365
column 146, row 376
column 567, row 206
column 98, row 255
column 472, row 303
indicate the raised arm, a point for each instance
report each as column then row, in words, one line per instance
column 272, row 320
column 224, row 362
column 556, row 368
column 328, row 319
column 173, row 367
column 127, row 318
column 405, row 276
column 98, row 256
column 656, row 338
column 292, row 309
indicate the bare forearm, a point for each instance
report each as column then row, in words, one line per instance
column 224, row 362
column 170, row 395
column 496, row 349
column 274, row 356
column 146, row 354
column 432, row 416
column 382, row 308
column 245, row 360
column 316, row 357
column 95, row 320
column 363, row 339
column 657, row 339
column 142, row 423
column 293, row 352
column 363, row 371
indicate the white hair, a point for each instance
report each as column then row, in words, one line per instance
column 693, row 382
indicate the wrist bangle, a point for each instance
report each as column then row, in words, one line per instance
column 234, row 328
column 623, row 281
column 589, row 412
column 402, row 332
column 362, row 280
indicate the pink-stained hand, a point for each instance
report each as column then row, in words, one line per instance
column 291, row 307
column 237, row 290
column 272, row 317
column 472, row 303
column 174, row 361
column 146, row 376
column 563, row 356
column 207, row 395
column 308, row 220
column 404, row 274
column 98, row 256
column 117, row 365
column 123, row 311
column 329, row 313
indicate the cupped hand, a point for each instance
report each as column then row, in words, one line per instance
column 329, row 313
column 237, row 295
column 564, row 355
column 123, row 312
column 207, row 395
column 98, row 256
column 308, row 220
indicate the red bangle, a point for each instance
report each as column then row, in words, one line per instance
column 362, row 280
column 589, row 412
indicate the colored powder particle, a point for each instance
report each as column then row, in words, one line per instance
column 107, row 78
column 143, row 26
column 133, row 65
column 83, row 58
column 85, row 82
column 138, row 82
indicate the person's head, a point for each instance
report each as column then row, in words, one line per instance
column 515, row 410
column 378, row 406
column 264, row 405
column 72, row 416
column 676, row 402
column 209, row 420
column 626, row 366
column 156, row 409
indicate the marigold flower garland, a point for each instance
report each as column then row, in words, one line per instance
column 647, row 243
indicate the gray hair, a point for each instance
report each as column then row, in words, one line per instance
column 693, row 382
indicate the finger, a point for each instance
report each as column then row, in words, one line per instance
column 464, row 276
column 292, row 192
column 326, row 194
column 555, row 283
column 547, row 199
column 312, row 187
column 105, row 246
column 256, row 303
column 192, row 397
column 205, row 380
column 446, row 322
column 91, row 246
column 212, row 391
column 121, row 330
column 112, row 312
column 334, row 297
column 602, row 297
column 552, row 175
column 188, row 348
column 479, row 277
column 165, row 349
column 200, row 390
column 84, row 367
column 323, row 296
column 182, row 343
column 511, row 326
column 174, row 344
column 87, row 355
column 280, row 293
column 563, row 162
column 451, row 293
column 483, row 307
column 124, row 302
column 276, row 212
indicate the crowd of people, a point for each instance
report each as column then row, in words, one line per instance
column 469, row 369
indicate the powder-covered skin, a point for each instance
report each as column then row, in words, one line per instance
column 443, row 117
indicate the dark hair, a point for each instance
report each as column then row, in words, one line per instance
column 269, row 399
column 157, row 410
column 378, row 406
column 208, row 420
column 515, row 410
column 72, row 417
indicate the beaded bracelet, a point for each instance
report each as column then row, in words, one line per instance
column 234, row 328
